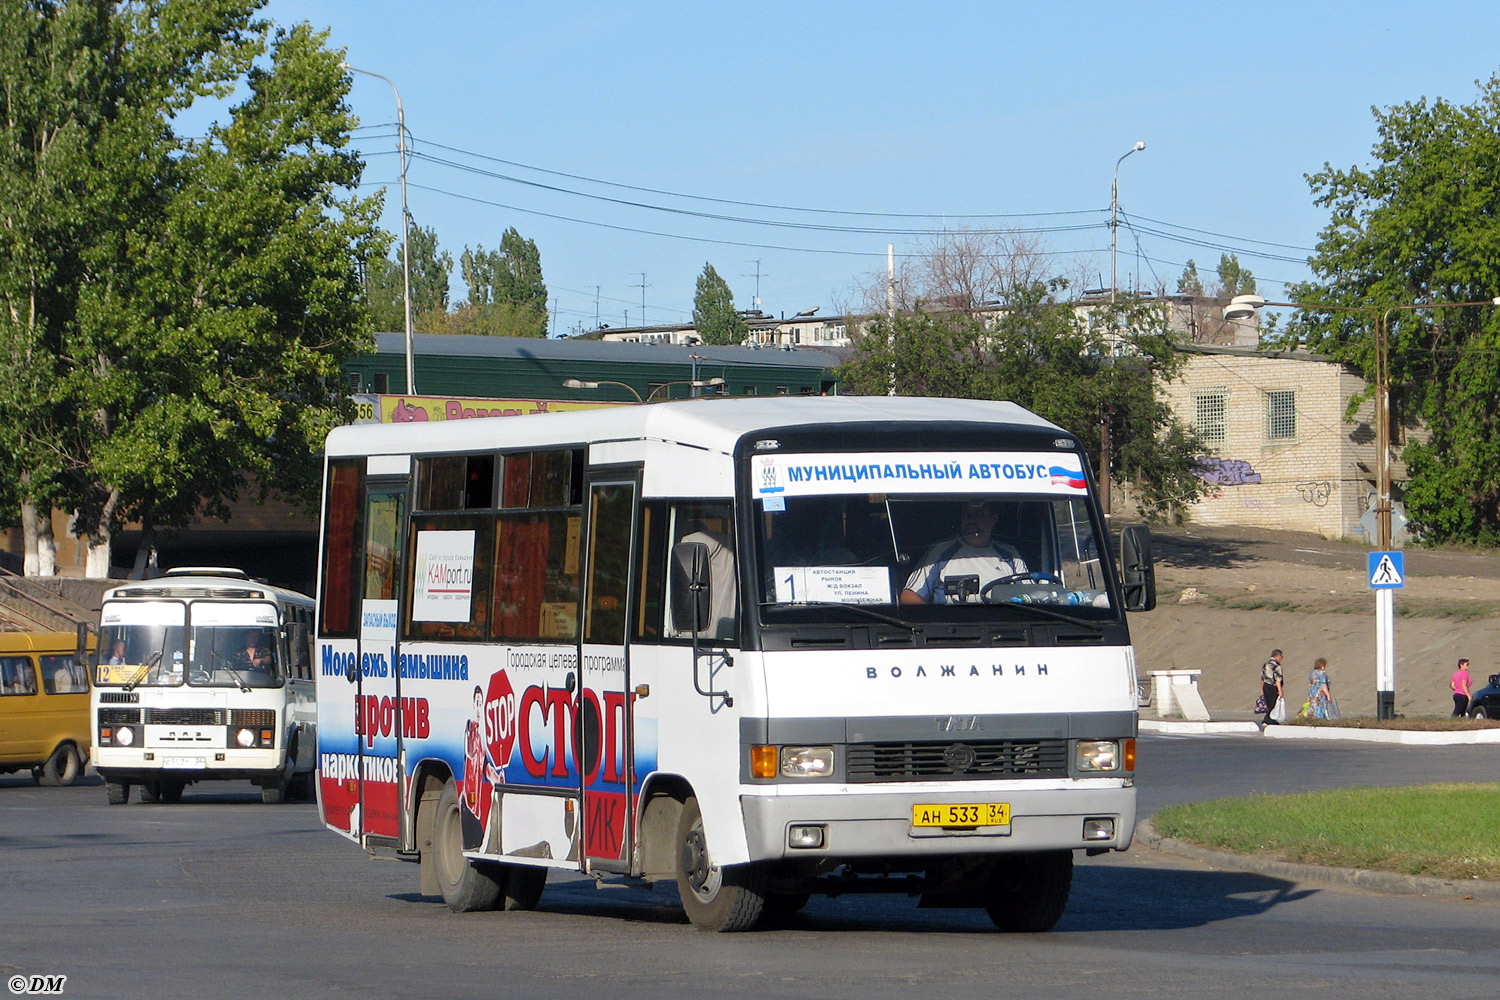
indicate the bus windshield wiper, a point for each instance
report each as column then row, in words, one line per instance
column 141, row 673
column 233, row 672
column 856, row 608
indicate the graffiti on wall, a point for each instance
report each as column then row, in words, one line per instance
column 1227, row 471
column 1316, row 493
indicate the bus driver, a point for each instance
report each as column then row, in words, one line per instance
column 957, row 570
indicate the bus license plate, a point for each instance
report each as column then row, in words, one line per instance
column 962, row 814
column 183, row 763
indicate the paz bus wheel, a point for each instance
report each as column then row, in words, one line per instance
column 117, row 791
column 170, row 790
column 1027, row 893
column 466, row 885
column 731, row 898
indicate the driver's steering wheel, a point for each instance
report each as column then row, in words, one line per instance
column 986, row 593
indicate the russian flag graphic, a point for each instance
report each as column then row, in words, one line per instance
column 1071, row 478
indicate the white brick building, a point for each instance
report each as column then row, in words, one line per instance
column 1283, row 456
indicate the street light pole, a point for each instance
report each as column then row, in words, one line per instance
column 1114, row 214
column 1245, row 306
column 411, row 382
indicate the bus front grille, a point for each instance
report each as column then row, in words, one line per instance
column 185, row 716
column 943, row 760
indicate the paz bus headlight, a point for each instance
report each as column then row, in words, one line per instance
column 806, row 762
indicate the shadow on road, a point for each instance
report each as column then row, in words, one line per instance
column 1104, row 898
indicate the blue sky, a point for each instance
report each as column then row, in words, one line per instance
column 953, row 114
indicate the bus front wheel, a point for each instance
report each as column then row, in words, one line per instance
column 731, row 898
column 118, row 792
column 1027, row 893
column 465, row 885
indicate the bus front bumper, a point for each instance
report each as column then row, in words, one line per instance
column 845, row 822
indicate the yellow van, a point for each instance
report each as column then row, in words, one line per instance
column 44, row 706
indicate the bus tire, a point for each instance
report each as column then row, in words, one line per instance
column 150, row 791
column 118, row 792
column 725, row 899
column 523, row 886
column 273, row 793
column 170, row 790
column 1027, row 893
column 61, row 769
column 466, row 885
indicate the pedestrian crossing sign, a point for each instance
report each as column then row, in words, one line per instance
column 1387, row 570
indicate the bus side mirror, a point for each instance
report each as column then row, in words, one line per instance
column 82, row 656
column 690, row 587
column 1136, row 569
column 297, row 649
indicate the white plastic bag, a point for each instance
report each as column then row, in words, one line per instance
column 1278, row 713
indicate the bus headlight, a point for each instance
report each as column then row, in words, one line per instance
column 245, row 737
column 1098, row 755
column 124, row 736
column 806, row 762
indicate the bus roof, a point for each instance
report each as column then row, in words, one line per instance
column 713, row 423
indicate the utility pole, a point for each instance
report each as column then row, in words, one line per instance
column 596, row 307
column 755, row 302
column 642, row 286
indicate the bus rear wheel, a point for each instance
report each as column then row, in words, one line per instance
column 731, row 898
column 466, row 885
column 170, row 790
column 61, row 769
column 118, row 792
column 1027, row 893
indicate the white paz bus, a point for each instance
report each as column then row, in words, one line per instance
column 204, row 674
column 763, row 648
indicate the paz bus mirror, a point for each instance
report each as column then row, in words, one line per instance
column 1136, row 569
column 690, row 587
column 297, row 649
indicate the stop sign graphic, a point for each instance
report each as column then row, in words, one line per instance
column 500, row 718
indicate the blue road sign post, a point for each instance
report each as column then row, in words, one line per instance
column 1387, row 574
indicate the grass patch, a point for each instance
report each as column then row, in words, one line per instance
column 1445, row 831
column 1410, row 724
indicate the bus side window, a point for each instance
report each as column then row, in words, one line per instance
column 17, row 677
column 712, row 524
column 651, row 558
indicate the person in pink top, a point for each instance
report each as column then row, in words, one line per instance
column 1461, row 688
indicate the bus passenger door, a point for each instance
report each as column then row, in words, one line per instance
column 602, row 727
column 377, row 704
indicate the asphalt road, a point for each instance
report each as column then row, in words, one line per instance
column 222, row 896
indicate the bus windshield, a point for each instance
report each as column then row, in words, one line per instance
column 221, row 645
column 965, row 546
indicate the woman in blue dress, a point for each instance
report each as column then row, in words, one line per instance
column 1319, row 696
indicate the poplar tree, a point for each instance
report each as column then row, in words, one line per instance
column 174, row 312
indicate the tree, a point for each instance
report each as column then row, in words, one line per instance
column 1233, row 278
column 1190, row 283
column 1033, row 351
column 384, row 285
column 507, row 296
column 183, row 306
column 1422, row 225
column 714, row 315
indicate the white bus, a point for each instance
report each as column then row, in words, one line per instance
column 730, row 644
column 204, row 674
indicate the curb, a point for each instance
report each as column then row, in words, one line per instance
column 1403, row 736
column 1394, row 883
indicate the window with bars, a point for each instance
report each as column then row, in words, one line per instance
column 1281, row 414
column 1210, row 409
